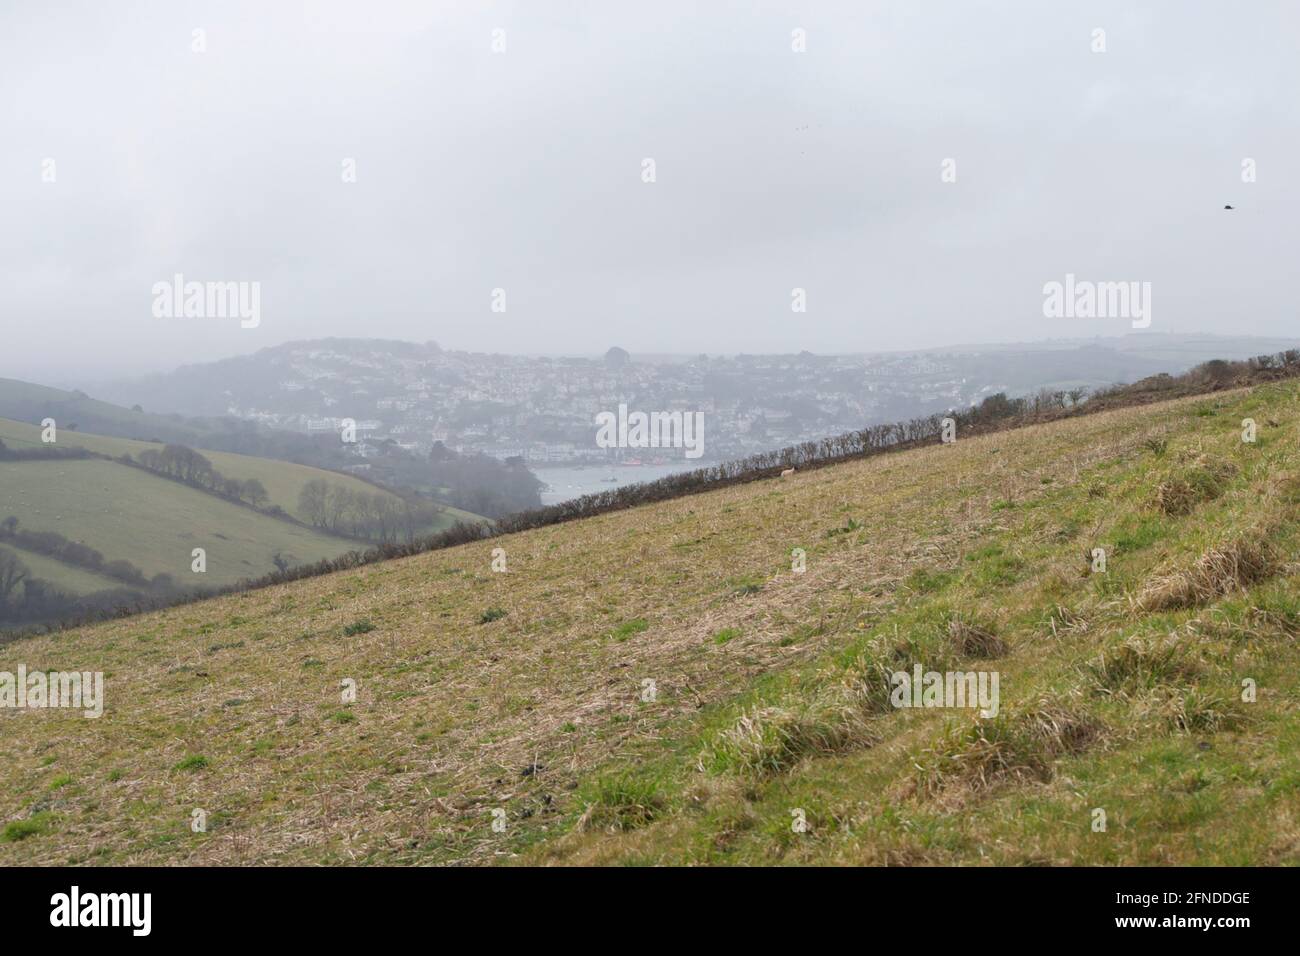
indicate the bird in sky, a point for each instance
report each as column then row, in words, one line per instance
column 1227, row 207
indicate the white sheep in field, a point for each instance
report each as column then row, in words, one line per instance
column 787, row 473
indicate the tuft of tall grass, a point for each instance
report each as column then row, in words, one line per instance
column 1191, row 710
column 1234, row 566
column 1139, row 665
column 971, row 637
column 623, row 801
column 1011, row 746
column 770, row 740
column 1203, row 480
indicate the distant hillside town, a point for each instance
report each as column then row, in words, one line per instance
column 543, row 410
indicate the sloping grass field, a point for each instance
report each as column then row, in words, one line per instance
column 27, row 401
column 66, row 577
column 152, row 522
column 660, row 685
column 283, row 480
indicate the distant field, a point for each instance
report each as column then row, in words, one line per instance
column 66, row 577
column 27, row 400
column 152, row 522
column 661, row 685
column 283, row 480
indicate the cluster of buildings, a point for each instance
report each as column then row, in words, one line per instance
column 544, row 409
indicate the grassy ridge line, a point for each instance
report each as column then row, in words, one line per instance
column 523, row 691
column 38, row 401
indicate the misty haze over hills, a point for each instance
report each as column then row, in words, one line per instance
column 542, row 408
column 522, row 170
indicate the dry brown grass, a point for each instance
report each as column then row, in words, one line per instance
column 1189, row 710
column 1019, row 746
column 1219, row 571
column 770, row 740
column 1175, row 496
column 1202, row 479
column 1142, row 664
column 1067, row 621
column 971, row 638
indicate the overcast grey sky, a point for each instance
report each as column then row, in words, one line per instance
column 522, row 170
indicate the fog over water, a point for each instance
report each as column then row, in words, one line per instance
column 574, row 482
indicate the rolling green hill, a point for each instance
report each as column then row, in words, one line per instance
column 153, row 522
column 128, row 513
column 26, row 401
column 664, row 684
column 283, row 480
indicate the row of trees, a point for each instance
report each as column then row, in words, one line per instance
column 41, row 453
column 26, row 600
column 54, row 545
column 192, row 468
column 379, row 517
column 477, row 483
column 1221, row 370
column 376, row 517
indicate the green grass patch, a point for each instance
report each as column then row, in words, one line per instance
column 625, row 630
column 726, row 635
column 35, row 825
